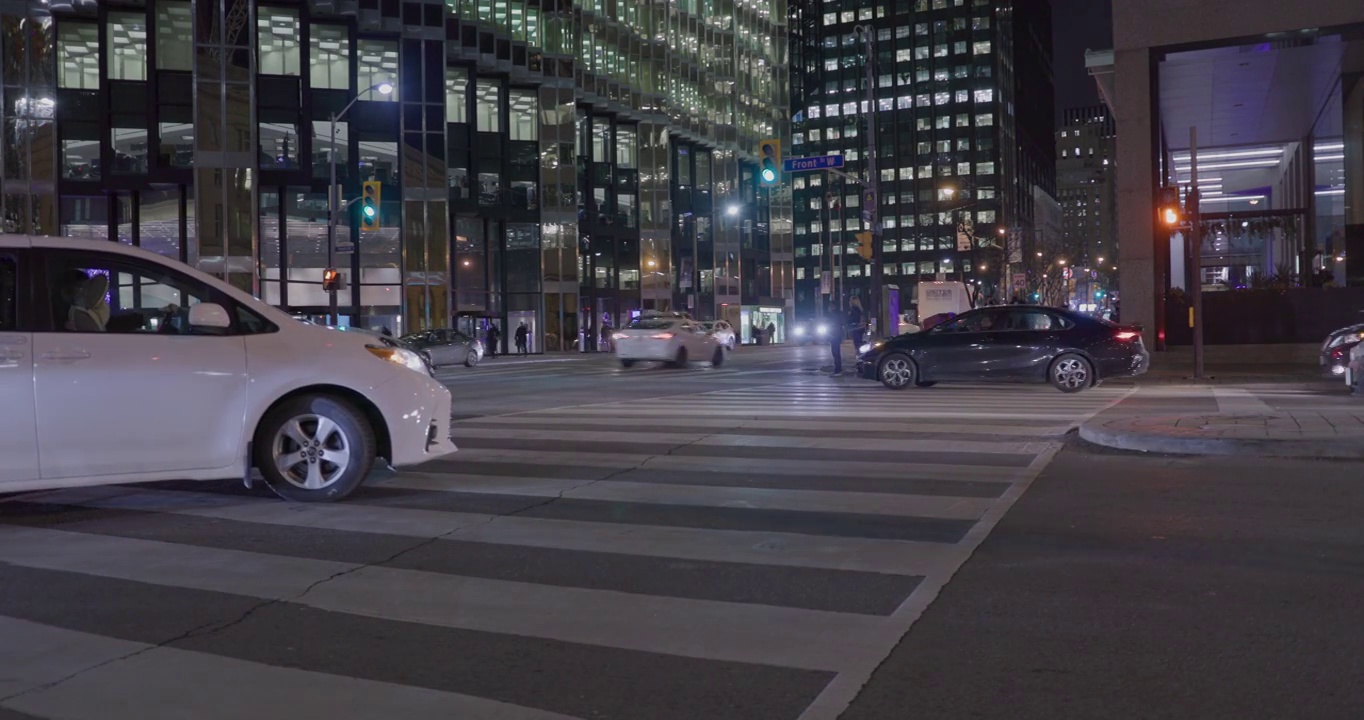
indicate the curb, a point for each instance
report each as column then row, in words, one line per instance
column 1334, row 447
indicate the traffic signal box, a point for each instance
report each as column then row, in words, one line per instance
column 369, row 205
column 769, row 163
column 1168, row 211
column 864, row 245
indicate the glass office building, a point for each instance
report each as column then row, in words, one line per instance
column 562, row 163
column 963, row 101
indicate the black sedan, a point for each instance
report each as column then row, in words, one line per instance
column 1012, row 342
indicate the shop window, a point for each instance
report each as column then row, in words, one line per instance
column 126, row 35
column 456, row 95
column 174, row 36
column 377, row 63
column 78, row 56
column 277, row 33
column 329, row 57
column 523, row 121
column 488, row 106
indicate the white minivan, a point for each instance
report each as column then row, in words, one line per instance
column 118, row 365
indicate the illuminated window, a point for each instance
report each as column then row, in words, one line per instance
column 277, row 32
column 127, row 42
column 174, row 39
column 329, row 57
column 78, row 56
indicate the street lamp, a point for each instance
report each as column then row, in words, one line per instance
column 333, row 199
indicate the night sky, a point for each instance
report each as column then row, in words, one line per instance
column 1078, row 25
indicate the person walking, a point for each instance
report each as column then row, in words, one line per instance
column 771, row 333
column 856, row 322
column 491, row 340
column 837, row 328
column 522, row 338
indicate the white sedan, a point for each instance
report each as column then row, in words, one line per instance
column 118, row 365
column 675, row 339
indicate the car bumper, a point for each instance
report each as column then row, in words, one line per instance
column 866, row 367
column 645, row 350
column 416, row 409
column 1138, row 363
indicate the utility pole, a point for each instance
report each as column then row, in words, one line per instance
column 828, row 244
column 871, row 197
column 843, row 245
column 1195, row 254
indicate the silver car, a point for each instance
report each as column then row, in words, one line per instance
column 445, row 347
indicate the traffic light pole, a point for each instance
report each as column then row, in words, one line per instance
column 332, row 202
column 872, row 214
column 1195, row 254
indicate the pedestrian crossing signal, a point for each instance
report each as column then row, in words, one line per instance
column 769, row 163
column 331, row 280
column 864, row 246
column 369, row 205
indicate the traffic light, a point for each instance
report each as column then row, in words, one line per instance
column 864, row 247
column 769, row 163
column 369, row 205
column 1168, row 210
column 331, row 280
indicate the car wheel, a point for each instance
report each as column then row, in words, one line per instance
column 718, row 358
column 896, row 371
column 472, row 358
column 314, row 448
column 427, row 357
column 680, row 360
column 626, row 362
column 1070, row 373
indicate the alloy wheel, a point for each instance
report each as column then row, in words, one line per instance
column 1071, row 373
column 897, row 372
column 311, row 451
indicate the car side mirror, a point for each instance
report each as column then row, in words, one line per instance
column 209, row 316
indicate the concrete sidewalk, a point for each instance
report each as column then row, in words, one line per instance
column 1301, row 422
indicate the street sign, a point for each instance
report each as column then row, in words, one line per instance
column 1020, row 282
column 824, row 162
column 344, row 246
column 868, row 206
column 826, row 282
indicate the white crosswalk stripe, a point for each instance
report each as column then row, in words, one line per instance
column 754, row 551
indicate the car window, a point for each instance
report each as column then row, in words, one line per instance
column 651, row 323
column 1033, row 320
column 9, row 293
column 974, row 322
column 107, row 293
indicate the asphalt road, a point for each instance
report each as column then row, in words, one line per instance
column 752, row 541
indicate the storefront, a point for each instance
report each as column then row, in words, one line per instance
column 770, row 321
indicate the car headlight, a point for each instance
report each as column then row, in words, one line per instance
column 822, row 329
column 868, row 347
column 399, row 356
column 800, row 332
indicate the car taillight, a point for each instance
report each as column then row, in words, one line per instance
column 662, row 336
column 1127, row 335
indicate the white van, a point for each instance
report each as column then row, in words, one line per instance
column 935, row 298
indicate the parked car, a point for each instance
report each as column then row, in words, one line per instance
column 445, row 347
column 161, row 372
column 1012, row 342
column 668, row 337
column 722, row 332
column 1335, row 350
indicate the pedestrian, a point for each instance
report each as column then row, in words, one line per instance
column 837, row 327
column 856, row 322
column 605, row 337
column 491, row 341
column 771, row 333
column 522, row 337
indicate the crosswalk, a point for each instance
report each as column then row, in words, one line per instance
column 748, row 553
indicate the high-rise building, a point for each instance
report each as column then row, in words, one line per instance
column 963, row 101
column 1086, row 146
column 564, row 163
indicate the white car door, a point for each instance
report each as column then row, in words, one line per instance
column 145, row 393
column 18, row 437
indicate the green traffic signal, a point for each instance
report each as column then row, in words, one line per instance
column 769, row 175
column 370, row 211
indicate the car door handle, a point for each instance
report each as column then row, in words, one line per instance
column 66, row 355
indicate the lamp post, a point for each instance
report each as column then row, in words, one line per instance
column 333, row 195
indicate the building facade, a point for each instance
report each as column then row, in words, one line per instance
column 1086, row 146
column 555, row 162
column 963, row 101
column 1280, row 146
